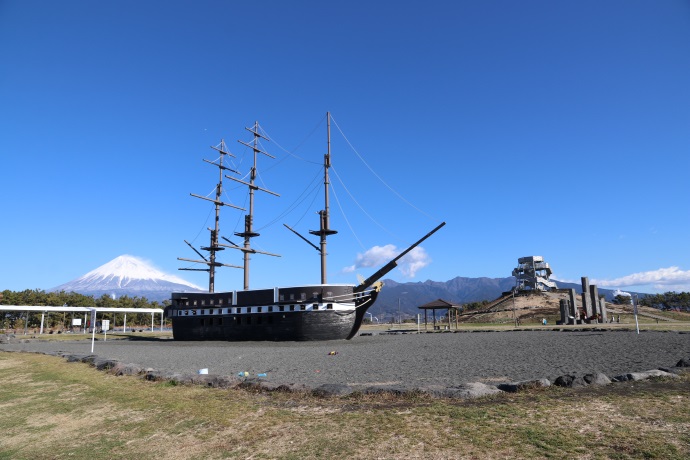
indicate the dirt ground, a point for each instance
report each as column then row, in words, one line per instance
column 532, row 308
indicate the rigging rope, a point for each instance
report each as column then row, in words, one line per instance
column 347, row 221
column 203, row 225
column 306, row 192
column 377, row 176
column 292, row 154
column 310, row 189
column 316, row 188
column 360, row 207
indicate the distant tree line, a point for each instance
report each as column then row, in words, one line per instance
column 622, row 300
column 37, row 298
column 667, row 301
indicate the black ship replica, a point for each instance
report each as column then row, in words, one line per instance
column 308, row 312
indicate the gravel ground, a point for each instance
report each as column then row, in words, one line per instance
column 406, row 360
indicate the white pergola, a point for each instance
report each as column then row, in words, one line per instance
column 93, row 310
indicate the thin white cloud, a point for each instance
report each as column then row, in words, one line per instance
column 671, row 278
column 414, row 261
column 376, row 256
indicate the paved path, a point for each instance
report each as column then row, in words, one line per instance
column 408, row 361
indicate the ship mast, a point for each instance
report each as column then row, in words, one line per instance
column 249, row 232
column 324, row 215
column 214, row 246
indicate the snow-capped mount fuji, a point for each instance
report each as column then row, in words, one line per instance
column 131, row 276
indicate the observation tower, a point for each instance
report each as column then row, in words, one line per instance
column 532, row 274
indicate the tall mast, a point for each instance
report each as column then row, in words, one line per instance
column 249, row 232
column 214, row 232
column 214, row 246
column 249, row 218
column 324, row 215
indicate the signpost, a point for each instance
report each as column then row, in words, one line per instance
column 634, row 302
column 105, row 325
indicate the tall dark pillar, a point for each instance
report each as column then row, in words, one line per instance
column 586, row 303
column 573, row 304
column 602, row 308
column 594, row 298
column 564, row 311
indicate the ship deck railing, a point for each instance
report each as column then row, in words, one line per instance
column 348, row 297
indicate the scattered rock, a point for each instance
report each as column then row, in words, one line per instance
column 292, row 387
column 104, row 364
column 183, row 379
column 380, row 389
column 634, row 376
column 126, row 369
column 569, row 381
column 573, row 381
column 271, row 386
column 596, row 379
column 250, row 382
column 524, row 385
column 676, row 370
column 464, row 391
column 258, row 384
column 89, row 359
column 213, row 381
column 154, row 375
column 685, row 362
column 332, row 389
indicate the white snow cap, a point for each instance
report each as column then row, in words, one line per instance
column 130, row 268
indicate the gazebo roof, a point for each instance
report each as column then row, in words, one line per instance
column 438, row 303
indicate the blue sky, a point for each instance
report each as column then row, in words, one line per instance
column 552, row 128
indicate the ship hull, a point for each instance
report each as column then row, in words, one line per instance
column 314, row 312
